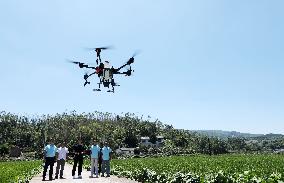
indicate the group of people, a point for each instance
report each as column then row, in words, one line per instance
column 100, row 159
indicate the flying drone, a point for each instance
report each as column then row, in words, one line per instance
column 104, row 70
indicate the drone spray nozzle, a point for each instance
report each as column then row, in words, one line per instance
column 81, row 65
column 128, row 72
column 87, row 82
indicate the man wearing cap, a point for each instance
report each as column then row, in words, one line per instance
column 49, row 157
column 106, row 154
column 95, row 150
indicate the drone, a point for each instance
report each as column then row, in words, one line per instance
column 104, row 70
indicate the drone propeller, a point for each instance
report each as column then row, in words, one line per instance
column 72, row 61
column 137, row 52
column 131, row 60
column 81, row 64
column 99, row 48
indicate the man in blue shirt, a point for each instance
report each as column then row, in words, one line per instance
column 49, row 155
column 95, row 150
column 106, row 154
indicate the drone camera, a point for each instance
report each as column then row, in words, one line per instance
column 87, row 82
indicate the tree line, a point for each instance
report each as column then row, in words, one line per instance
column 124, row 130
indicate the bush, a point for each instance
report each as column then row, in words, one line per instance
column 4, row 149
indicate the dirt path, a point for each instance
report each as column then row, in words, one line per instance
column 85, row 177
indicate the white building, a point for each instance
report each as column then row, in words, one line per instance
column 160, row 141
column 145, row 141
column 279, row 151
column 124, row 150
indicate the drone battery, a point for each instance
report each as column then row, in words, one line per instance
column 107, row 74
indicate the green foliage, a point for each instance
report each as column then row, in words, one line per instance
column 119, row 130
column 236, row 144
column 18, row 171
column 130, row 139
column 4, row 149
column 209, row 169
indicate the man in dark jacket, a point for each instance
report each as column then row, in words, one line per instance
column 78, row 158
column 100, row 160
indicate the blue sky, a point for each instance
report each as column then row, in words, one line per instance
column 203, row 64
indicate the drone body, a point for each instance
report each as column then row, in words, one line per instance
column 105, row 71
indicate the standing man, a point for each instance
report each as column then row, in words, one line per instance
column 62, row 156
column 78, row 158
column 49, row 157
column 100, row 158
column 106, row 159
column 95, row 150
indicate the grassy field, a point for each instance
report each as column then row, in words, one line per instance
column 201, row 168
column 18, row 171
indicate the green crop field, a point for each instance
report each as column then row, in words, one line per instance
column 201, row 168
column 18, row 171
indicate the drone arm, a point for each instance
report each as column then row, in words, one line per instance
column 126, row 73
column 121, row 67
column 91, row 67
column 86, row 76
column 119, row 73
column 91, row 74
column 129, row 62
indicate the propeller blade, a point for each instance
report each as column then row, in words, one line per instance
column 106, row 48
column 102, row 48
column 137, row 52
column 131, row 60
column 72, row 61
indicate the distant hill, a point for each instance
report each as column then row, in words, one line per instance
column 226, row 134
column 270, row 136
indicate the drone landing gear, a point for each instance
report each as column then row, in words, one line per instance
column 96, row 89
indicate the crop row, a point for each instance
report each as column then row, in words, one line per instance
column 19, row 171
column 225, row 168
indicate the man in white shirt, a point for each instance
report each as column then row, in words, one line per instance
column 95, row 150
column 62, row 153
column 106, row 150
